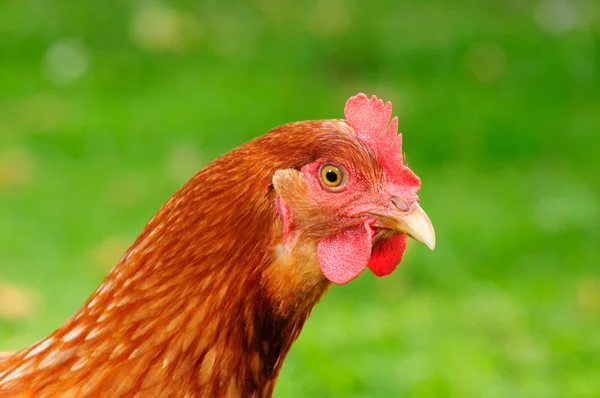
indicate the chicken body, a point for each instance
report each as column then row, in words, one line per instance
column 210, row 297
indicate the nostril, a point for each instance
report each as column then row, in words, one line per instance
column 400, row 204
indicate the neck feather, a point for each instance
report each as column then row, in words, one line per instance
column 190, row 308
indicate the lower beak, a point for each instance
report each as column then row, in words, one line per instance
column 413, row 222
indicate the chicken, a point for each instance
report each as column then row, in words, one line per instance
column 210, row 297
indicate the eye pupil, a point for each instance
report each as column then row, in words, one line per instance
column 331, row 176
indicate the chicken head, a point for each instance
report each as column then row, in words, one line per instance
column 357, row 201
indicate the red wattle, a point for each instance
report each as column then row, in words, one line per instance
column 345, row 255
column 387, row 255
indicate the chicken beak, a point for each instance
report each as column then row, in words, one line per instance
column 413, row 222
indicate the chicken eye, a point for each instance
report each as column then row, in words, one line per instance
column 331, row 176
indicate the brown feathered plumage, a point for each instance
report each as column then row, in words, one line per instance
column 211, row 295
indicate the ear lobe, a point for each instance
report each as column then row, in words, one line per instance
column 285, row 216
column 290, row 186
column 292, row 202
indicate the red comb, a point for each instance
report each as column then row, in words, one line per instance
column 370, row 119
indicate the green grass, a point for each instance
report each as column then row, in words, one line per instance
column 106, row 108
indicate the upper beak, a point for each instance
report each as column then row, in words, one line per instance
column 413, row 221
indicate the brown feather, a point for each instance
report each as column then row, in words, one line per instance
column 206, row 302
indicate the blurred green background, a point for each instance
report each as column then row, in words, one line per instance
column 107, row 107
